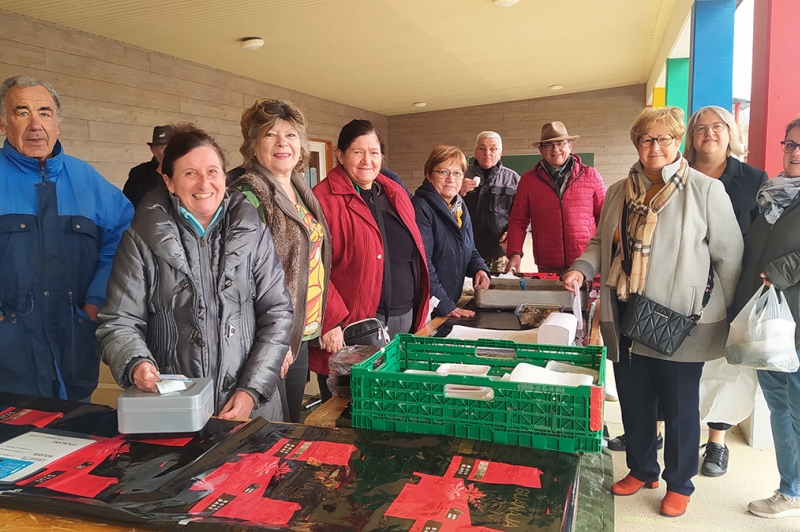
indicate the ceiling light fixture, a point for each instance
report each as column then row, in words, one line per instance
column 420, row 104
column 252, row 43
column 505, row 3
column 556, row 87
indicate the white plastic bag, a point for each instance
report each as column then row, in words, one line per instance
column 762, row 334
column 727, row 392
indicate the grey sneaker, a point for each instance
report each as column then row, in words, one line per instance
column 715, row 459
column 777, row 506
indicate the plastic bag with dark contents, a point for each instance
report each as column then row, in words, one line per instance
column 339, row 367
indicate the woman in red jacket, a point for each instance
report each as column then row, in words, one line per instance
column 354, row 197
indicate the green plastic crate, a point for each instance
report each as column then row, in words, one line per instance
column 559, row 418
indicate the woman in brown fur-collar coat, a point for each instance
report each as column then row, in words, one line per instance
column 275, row 151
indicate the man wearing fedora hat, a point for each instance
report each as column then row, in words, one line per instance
column 560, row 198
column 147, row 176
column 488, row 189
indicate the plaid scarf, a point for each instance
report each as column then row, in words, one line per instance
column 457, row 209
column 775, row 195
column 629, row 267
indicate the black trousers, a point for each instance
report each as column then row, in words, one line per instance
column 296, row 379
column 647, row 385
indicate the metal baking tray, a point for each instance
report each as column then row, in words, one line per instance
column 508, row 293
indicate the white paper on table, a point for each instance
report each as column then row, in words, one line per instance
column 529, row 336
column 558, row 328
column 26, row 454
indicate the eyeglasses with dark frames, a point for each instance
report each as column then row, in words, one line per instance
column 444, row 174
column 553, row 145
column 665, row 140
column 789, row 146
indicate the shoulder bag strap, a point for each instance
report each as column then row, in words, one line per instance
column 626, row 262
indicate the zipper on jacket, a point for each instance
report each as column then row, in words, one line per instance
column 563, row 231
column 202, row 241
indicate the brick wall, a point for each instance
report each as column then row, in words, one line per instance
column 602, row 119
column 113, row 94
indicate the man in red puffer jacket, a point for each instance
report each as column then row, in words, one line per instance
column 561, row 199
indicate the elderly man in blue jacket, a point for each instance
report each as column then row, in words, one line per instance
column 60, row 223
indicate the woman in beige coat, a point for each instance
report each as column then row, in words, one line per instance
column 678, row 223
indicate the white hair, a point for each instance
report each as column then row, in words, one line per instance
column 489, row 135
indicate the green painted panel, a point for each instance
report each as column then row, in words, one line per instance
column 677, row 89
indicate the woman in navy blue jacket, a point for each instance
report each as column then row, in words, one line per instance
column 446, row 230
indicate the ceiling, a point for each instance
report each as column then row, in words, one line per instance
column 384, row 55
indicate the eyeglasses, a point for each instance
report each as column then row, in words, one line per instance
column 789, row 146
column 716, row 127
column 646, row 142
column 553, row 145
column 444, row 174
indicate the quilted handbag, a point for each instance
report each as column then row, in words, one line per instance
column 656, row 326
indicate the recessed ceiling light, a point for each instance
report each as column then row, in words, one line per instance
column 252, row 43
column 556, row 87
column 420, row 104
column 505, row 3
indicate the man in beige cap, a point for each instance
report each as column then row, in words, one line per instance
column 560, row 198
column 488, row 189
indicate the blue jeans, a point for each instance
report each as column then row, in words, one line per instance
column 782, row 392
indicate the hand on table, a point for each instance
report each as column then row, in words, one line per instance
column 461, row 313
column 481, row 281
column 513, row 265
column 238, row 406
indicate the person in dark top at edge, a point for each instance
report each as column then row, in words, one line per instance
column 145, row 177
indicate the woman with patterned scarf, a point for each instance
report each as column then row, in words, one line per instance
column 772, row 256
column 446, row 231
column 661, row 232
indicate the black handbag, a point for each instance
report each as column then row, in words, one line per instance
column 656, row 326
column 369, row 331
column 652, row 324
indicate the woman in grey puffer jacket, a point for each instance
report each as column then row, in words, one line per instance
column 198, row 289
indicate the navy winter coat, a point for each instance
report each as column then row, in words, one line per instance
column 60, row 224
column 450, row 251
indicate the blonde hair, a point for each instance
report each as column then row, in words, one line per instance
column 671, row 117
column 261, row 117
column 734, row 144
